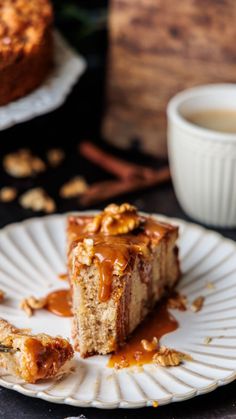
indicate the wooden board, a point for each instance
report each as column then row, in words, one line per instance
column 157, row 48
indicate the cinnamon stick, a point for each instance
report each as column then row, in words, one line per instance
column 106, row 190
column 114, row 165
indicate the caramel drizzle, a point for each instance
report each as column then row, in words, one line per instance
column 113, row 253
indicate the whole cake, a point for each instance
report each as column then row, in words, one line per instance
column 120, row 264
column 26, row 46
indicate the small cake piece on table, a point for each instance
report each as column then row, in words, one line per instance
column 32, row 357
column 120, row 264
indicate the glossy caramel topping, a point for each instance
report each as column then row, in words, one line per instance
column 156, row 325
column 113, row 253
column 59, row 303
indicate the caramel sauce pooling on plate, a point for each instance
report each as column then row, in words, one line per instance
column 156, row 324
column 59, row 303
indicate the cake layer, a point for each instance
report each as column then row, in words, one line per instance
column 120, row 264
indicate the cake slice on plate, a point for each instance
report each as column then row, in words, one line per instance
column 120, row 264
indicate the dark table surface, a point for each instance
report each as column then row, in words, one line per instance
column 79, row 118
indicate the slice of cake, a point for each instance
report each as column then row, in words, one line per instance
column 120, row 264
column 31, row 357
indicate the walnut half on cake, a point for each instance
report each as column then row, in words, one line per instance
column 120, row 264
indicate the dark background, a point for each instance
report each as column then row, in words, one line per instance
column 79, row 118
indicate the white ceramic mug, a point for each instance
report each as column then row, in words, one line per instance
column 202, row 161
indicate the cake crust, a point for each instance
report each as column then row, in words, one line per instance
column 120, row 264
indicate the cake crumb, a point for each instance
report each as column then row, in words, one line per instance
column 23, row 163
column 37, row 199
column 2, row 296
column 207, row 340
column 7, row 194
column 74, row 187
column 30, row 304
column 210, row 286
column 197, row 304
column 177, row 302
column 55, row 156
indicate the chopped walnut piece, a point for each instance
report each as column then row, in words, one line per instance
column 23, row 163
column 123, row 363
column 74, row 187
column 115, row 220
column 30, row 304
column 37, row 200
column 177, row 301
column 169, row 357
column 150, row 346
column 84, row 252
column 2, row 296
column 8, row 194
column 197, row 304
column 55, row 156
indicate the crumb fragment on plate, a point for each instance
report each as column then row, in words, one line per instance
column 167, row 357
column 74, row 187
column 210, row 286
column 197, row 304
column 207, row 340
column 55, row 156
column 2, row 296
column 7, row 194
column 23, row 163
column 30, row 304
column 177, row 301
column 37, row 199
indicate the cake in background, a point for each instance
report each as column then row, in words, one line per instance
column 26, row 46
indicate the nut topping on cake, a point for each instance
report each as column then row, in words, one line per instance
column 115, row 220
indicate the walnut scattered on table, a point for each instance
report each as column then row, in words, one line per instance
column 75, row 187
column 7, row 194
column 55, row 156
column 23, row 163
column 37, row 199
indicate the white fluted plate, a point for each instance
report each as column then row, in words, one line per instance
column 52, row 93
column 32, row 253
